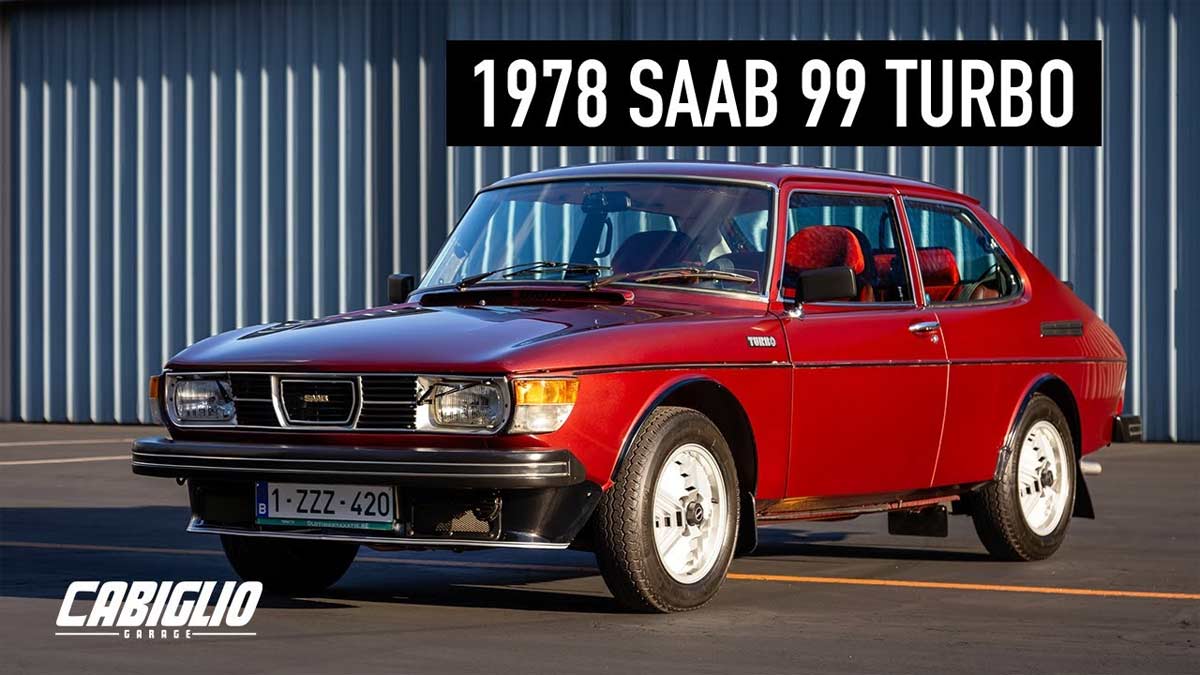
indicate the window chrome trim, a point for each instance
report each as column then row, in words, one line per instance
column 772, row 214
column 885, row 192
column 1018, row 292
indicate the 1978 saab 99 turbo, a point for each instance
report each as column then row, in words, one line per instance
column 649, row 360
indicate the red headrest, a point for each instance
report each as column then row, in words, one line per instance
column 938, row 267
column 825, row 246
column 884, row 263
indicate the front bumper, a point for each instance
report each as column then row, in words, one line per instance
column 532, row 498
column 417, row 467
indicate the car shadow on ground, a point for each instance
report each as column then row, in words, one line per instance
column 790, row 542
column 42, row 550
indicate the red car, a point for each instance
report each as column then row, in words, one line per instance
column 648, row 360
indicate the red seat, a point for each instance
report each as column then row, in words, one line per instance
column 939, row 271
column 820, row 246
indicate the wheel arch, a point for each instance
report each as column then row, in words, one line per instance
column 717, row 403
column 712, row 399
column 1057, row 390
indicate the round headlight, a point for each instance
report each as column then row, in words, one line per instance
column 202, row 400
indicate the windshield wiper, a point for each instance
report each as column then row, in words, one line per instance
column 526, row 268
column 675, row 273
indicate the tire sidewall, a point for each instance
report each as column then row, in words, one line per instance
column 689, row 427
column 1040, row 408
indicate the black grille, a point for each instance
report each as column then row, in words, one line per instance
column 399, row 388
column 252, row 396
column 318, row 401
column 256, row 414
column 247, row 385
column 389, row 402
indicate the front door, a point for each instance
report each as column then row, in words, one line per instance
column 869, row 372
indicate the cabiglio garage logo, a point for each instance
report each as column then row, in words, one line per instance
column 158, row 610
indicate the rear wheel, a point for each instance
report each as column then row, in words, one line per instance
column 1024, row 514
column 289, row 566
column 666, row 529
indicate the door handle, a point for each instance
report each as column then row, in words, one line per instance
column 923, row 327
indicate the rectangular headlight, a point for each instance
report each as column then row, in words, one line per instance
column 542, row 405
column 207, row 399
column 468, row 404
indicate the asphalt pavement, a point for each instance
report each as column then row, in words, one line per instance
column 1122, row 595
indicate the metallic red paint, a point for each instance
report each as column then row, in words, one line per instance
column 847, row 402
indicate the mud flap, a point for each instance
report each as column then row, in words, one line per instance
column 747, row 539
column 930, row 521
column 1083, row 498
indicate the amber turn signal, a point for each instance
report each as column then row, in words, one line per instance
column 546, row 392
column 152, row 392
column 542, row 406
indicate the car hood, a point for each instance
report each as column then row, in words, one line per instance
column 491, row 338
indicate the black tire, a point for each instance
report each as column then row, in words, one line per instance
column 289, row 566
column 625, row 547
column 996, row 508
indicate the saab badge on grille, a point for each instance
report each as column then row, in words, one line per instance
column 760, row 340
column 318, row 401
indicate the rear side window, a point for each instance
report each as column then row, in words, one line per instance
column 959, row 260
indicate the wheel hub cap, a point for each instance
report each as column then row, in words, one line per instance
column 689, row 513
column 1043, row 482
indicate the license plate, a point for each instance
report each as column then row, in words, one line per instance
column 359, row 507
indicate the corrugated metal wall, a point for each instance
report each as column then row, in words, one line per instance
column 180, row 169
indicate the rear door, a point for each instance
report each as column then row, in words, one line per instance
column 976, row 292
column 870, row 372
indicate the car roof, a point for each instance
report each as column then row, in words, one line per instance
column 774, row 174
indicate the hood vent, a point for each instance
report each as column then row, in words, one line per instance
column 570, row 296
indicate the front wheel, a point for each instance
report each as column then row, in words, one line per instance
column 667, row 527
column 289, row 566
column 1024, row 514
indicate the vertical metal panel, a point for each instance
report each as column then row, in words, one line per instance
column 8, row 275
column 178, row 169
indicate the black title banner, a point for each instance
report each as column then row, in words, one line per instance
column 773, row 93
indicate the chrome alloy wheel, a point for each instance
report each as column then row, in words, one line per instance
column 1043, row 478
column 690, row 513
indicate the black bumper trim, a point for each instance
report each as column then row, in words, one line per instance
column 421, row 467
column 200, row 527
column 1127, row 429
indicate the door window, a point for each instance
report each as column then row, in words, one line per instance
column 857, row 231
column 959, row 260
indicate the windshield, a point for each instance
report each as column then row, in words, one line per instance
column 587, row 230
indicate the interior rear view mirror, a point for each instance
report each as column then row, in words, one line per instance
column 826, row 283
column 607, row 202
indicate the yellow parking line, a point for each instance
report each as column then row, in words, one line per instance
column 64, row 460
column 737, row 576
column 954, row 586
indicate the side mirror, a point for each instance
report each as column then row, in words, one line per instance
column 826, row 283
column 400, row 286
